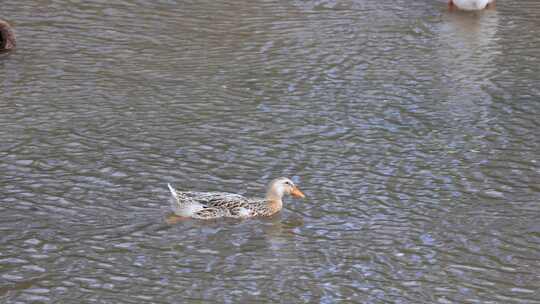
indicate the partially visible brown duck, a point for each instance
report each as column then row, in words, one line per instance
column 7, row 37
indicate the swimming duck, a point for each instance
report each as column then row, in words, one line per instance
column 211, row 205
column 7, row 38
column 470, row 5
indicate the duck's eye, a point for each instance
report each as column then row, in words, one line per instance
column 288, row 183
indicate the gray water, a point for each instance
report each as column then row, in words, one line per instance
column 413, row 131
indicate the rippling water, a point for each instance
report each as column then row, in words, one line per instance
column 414, row 132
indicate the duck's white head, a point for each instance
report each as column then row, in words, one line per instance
column 281, row 186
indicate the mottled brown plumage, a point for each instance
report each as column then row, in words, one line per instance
column 210, row 205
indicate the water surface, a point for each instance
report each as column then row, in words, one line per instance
column 413, row 131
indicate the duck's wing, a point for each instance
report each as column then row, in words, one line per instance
column 214, row 199
column 240, row 208
column 205, row 198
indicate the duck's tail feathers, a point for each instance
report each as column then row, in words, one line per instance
column 173, row 192
column 175, row 203
column 183, row 207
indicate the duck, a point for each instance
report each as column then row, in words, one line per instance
column 7, row 37
column 213, row 205
column 470, row 5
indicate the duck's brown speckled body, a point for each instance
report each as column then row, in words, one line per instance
column 7, row 37
column 210, row 205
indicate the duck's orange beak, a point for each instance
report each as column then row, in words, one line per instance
column 296, row 193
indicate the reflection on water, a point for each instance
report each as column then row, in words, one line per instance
column 413, row 131
column 468, row 50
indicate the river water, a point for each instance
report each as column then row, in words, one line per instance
column 413, row 131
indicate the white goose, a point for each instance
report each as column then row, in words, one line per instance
column 471, row 5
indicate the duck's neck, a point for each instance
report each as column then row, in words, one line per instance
column 275, row 204
column 274, row 199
